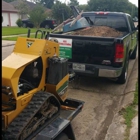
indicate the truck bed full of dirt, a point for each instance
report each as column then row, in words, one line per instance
column 102, row 31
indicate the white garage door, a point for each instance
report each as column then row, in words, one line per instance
column 5, row 19
column 14, row 17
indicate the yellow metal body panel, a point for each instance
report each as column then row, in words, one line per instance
column 25, row 51
column 18, row 60
column 12, row 67
column 37, row 47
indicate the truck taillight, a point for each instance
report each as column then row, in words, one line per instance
column 119, row 53
column 53, row 22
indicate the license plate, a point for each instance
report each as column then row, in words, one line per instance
column 80, row 67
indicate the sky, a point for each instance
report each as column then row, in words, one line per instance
column 85, row 1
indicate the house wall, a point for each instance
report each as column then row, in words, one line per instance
column 10, row 18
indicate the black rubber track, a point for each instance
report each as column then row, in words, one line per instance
column 15, row 129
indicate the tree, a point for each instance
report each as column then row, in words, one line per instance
column 19, row 22
column 23, row 8
column 37, row 15
column 74, row 2
column 134, row 11
column 48, row 3
column 61, row 11
column 45, row 3
column 83, row 7
column 8, row 0
column 110, row 5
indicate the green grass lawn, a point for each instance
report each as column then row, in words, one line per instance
column 15, row 38
column 17, row 30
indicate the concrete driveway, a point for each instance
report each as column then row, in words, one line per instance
column 103, row 99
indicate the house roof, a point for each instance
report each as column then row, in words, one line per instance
column 8, row 7
column 17, row 2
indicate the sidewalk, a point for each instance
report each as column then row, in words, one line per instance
column 6, row 43
column 17, row 35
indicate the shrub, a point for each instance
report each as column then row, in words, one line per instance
column 19, row 23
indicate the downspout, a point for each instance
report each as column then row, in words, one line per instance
column 9, row 18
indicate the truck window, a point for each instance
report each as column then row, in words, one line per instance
column 116, row 22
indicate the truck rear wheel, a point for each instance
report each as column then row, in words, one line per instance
column 134, row 54
column 123, row 77
column 62, row 136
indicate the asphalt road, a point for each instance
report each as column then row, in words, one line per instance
column 101, row 97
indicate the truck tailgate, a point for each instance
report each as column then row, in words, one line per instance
column 93, row 51
column 90, row 50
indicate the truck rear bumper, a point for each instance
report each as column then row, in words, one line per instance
column 97, row 71
column 110, row 73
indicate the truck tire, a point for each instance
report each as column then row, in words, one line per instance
column 134, row 54
column 123, row 77
column 24, row 25
column 47, row 26
column 62, row 136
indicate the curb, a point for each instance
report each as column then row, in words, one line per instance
column 128, row 97
column 125, row 100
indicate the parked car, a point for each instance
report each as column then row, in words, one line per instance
column 48, row 23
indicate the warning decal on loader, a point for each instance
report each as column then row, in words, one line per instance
column 29, row 44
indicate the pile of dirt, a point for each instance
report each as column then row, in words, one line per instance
column 102, row 31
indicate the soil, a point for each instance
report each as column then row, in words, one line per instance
column 102, row 31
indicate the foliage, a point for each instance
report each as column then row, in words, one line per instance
column 37, row 15
column 61, row 11
column 112, row 5
column 45, row 3
column 8, row 0
column 23, row 8
column 74, row 2
column 19, row 23
column 83, row 7
column 48, row 3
